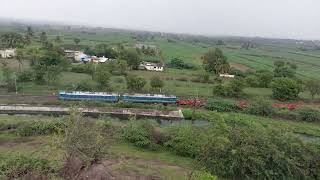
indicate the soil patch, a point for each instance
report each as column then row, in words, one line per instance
column 241, row 67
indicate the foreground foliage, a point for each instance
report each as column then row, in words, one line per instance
column 233, row 149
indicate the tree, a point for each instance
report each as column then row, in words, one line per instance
column 35, row 55
column 135, row 83
column 30, row 32
column 236, row 87
column 220, row 43
column 156, row 82
column 52, row 73
column 264, row 78
column 102, row 76
column 19, row 57
column 82, row 140
column 104, row 50
column 285, row 89
column 122, row 66
column 215, row 61
column 50, row 65
column 58, row 39
column 76, row 40
column 39, row 73
column 232, row 89
column 43, row 38
column 132, row 58
column 313, row 86
column 284, row 69
column 29, row 35
column 12, row 40
column 9, row 78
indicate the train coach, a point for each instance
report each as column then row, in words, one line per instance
column 149, row 98
column 88, row 96
column 113, row 97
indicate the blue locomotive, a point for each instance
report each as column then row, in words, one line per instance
column 113, row 97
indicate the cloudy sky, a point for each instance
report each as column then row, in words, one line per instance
column 299, row 19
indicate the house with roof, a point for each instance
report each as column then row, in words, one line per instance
column 151, row 66
column 7, row 53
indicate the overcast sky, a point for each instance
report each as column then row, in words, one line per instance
column 298, row 19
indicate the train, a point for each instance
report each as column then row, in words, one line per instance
column 115, row 97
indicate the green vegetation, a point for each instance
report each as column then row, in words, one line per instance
column 238, row 141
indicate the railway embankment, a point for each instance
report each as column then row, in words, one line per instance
column 92, row 112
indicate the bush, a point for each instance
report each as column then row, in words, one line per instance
column 83, row 139
column 179, row 64
column 25, row 76
column 287, row 114
column 232, row 89
column 183, row 140
column 156, row 82
column 200, row 175
column 309, row 115
column 141, row 134
column 222, row 106
column 249, row 151
column 260, row 107
column 135, row 83
column 285, row 89
column 17, row 165
column 83, row 68
column 252, row 81
column 85, row 86
column 41, row 128
column 184, row 79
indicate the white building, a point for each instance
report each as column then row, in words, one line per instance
column 7, row 53
column 227, row 75
column 151, row 66
column 74, row 55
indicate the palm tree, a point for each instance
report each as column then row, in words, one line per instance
column 35, row 54
column 19, row 57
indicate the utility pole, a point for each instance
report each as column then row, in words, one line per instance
column 15, row 82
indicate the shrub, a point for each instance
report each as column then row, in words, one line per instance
column 249, row 151
column 221, row 106
column 183, row 140
column 83, row 68
column 264, row 78
column 200, row 175
column 285, row 89
column 41, row 128
column 287, row 114
column 309, row 115
column 179, row 64
column 252, row 81
column 17, row 165
column 182, row 79
column 85, row 86
column 83, row 139
column 232, row 89
column 25, row 76
column 102, row 76
column 260, row 107
column 156, row 82
column 140, row 133
column 135, row 83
